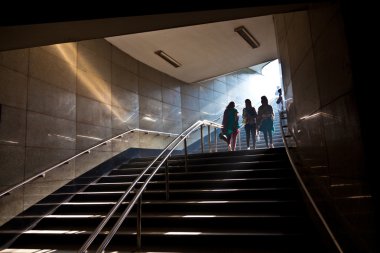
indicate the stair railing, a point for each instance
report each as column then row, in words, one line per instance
column 87, row 151
column 283, row 116
column 164, row 155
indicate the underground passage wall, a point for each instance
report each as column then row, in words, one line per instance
column 60, row 99
column 323, row 115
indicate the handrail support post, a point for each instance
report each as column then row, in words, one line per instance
column 202, row 145
column 239, row 140
column 185, row 143
column 209, row 138
column 139, row 207
column 215, row 139
column 167, row 179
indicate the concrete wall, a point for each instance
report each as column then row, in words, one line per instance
column 323, row 115
column 61, row 99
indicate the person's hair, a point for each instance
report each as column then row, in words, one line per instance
column 264, row 100
column 231, row 105
column 248, row 103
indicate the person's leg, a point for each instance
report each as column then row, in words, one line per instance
column 270, row 129
column 233, row 140
column 253, row 132
column 270, row 138
column 247, row 133
column 228, row 142
column 266, row 137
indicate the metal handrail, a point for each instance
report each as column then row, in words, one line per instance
column 304, row 188
column 110, row 234
column 87, row 151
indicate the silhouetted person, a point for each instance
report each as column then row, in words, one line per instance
column 249, row 119
column 279, row 100
column 230, row 125
column 265, row 120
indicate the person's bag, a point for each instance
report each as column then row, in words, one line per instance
column 223, row 137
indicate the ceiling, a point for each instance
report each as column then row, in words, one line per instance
column 205, row 51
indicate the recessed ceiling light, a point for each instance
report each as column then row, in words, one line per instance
column 247, row 36
column 168, row 58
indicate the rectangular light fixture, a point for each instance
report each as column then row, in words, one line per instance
column 244, row 33
column 168, row 58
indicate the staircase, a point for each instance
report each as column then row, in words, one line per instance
column 243, row 201
column 241, row 142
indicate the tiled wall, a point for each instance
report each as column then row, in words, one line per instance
column 323, row 115
column 61, row 99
